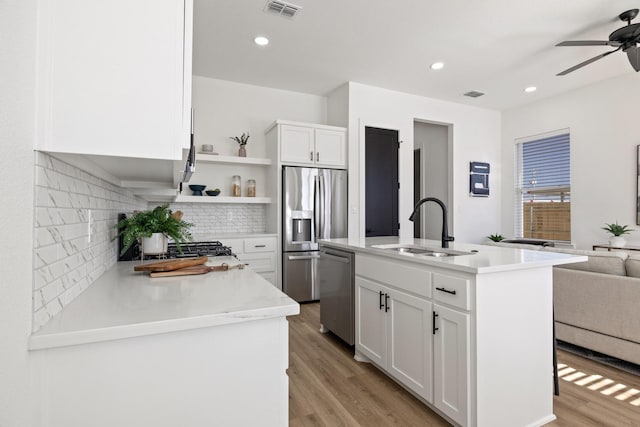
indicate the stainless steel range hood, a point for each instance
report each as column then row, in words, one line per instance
column 190, row 166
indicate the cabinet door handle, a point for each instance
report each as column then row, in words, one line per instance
column 259, row 246
column 452, row 292
column 311, row 156
column 386, row 302
column 433, row 322
column 381, row 303
column 317, row 156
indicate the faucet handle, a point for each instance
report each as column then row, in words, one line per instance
column 449, row 238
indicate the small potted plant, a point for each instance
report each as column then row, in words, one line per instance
column 151, row 229
column 617, row 231
column 242, row 140
column 495, row 237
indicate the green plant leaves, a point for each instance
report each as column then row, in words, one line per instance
column 617, row 229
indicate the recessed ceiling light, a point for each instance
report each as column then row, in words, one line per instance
column 261, row 41
column 437, row 65
column 530, row 89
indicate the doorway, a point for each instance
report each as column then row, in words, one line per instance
column 432, row 176
column 381, row 182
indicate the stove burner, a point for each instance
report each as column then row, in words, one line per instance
column 197, row 249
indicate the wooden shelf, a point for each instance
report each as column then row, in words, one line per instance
column 214, row 158
column 221, row 199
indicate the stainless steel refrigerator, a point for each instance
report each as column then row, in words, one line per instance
column 314, row 206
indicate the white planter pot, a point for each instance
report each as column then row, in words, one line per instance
column 617, row 241
column 156, row 244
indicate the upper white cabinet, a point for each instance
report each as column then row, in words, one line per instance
column 114, row 77
column 312, row 145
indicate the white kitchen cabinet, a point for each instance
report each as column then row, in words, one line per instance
column 114, row 78
column 311, row 145
column 259, row 253
column 451, row 362
column 394, row 331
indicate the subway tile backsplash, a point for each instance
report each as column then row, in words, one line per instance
column 212, row 219
column 65, row 261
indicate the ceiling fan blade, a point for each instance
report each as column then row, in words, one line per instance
column 589, row 43
column 587, row 62
column 633, row 54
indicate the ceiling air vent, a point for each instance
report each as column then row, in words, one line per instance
column 474, row 94
column 282, row 8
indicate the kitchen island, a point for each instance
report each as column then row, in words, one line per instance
column 467, row 330
column 186, row 350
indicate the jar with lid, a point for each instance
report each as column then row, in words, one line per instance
column 251, row 188
column 236, row 190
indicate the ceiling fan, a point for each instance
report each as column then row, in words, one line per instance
column 625, row 39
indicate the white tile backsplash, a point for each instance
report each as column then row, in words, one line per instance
column 65, row 262
column 221, row 218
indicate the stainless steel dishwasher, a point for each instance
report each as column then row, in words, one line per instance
column 336, row 282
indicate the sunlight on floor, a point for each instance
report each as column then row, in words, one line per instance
column 598, row 383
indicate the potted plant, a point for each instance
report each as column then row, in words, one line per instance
column 242, row 140
column 151, row 229
column 617, row 231
column 495, row 237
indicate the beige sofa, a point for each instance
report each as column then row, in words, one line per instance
column 597, row 302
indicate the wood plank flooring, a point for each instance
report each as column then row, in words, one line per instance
column 327, row 387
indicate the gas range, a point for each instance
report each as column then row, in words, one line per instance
column 198, row 249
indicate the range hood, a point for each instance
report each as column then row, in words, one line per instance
column 190, row 166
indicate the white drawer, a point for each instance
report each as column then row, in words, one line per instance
column 260, row 244
column 404, row 276
column 451, row 290
column 259, row 262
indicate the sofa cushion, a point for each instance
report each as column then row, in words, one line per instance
column 598, row 262
column 632, row 265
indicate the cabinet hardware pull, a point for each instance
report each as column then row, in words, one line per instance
column 386, row 302
column 259, row 246
column 446, row 290
column 311, row 156
column 317, row 156
column 381, row 303
column 433, row 322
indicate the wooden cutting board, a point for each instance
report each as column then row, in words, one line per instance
column 172, row 264
column 196, row 269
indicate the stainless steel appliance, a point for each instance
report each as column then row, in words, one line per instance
column 314, row 206
column 336, row 276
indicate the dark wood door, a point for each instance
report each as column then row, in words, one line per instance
column 381, row 182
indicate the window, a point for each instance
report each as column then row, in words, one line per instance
column 543, row 187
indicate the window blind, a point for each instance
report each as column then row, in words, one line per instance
column 543, row 188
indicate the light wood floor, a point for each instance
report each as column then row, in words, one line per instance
column 328, row 388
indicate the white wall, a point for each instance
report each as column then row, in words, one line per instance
column 17, row 116
column 475, row 137
column 224, row 109
column 603, row 124
column 338, row 106
column 433, row 142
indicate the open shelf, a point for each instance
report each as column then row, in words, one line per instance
column 214, row 158
column 221, row 199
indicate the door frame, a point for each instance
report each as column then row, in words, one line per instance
column 362, row 124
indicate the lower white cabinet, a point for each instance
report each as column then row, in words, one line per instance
column 394, row 331
column 451, row 362
column 259, row 253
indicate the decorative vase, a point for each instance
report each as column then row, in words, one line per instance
column 154, row 245
column 242, row 152
column 617, row 241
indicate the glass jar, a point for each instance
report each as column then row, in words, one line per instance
column 251, row 188
column 236, row 189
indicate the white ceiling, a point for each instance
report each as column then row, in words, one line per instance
column 494, row 46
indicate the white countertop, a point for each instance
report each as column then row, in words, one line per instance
column 123, row 303
column 487, row 259
column 205, row 237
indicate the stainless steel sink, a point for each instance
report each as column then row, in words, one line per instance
column 421, row 250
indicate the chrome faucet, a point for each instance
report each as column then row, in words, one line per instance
column 445, row 232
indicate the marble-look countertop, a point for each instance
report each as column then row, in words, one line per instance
column 487, row 259
column 123, row 303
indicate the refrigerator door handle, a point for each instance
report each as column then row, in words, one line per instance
column 302, row 257
column 322, row 213
column 316, row 206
